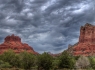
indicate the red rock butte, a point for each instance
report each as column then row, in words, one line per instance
column 86, row 44
column 14, row 42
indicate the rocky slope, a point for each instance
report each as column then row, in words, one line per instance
column 14, row 42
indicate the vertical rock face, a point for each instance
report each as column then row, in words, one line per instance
column 14, row 42
column 86, row 44
column 87, row 33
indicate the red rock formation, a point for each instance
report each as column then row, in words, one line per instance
column 14, row 42
column 86, row 44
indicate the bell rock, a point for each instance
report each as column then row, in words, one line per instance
column 14, row 42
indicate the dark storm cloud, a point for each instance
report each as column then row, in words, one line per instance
column 46, row 25
column 61, row 4
column 12, row 5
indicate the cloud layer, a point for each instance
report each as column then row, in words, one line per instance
column 46, row 25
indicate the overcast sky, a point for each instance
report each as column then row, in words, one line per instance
column 46, row 25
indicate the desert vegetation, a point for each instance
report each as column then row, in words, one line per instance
column 27, row 61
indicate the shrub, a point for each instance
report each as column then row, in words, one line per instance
column 66, row 61
column 44, row 61
column 4, row 64
column 83, row 62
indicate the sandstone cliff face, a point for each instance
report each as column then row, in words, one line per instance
column 86, row 44
column 14, row 42
column 87, row 33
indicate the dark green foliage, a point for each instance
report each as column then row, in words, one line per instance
column 92, row 62
column 55, row 63
column 76, row 57
column 23, row 60
column 8, row 56
column 44, row 61
column 16, row 61
column 4, row 64
column 66, row 61
column 27, row 60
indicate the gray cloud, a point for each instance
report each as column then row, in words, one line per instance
column 46, row 25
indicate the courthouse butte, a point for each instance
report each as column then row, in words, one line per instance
column 14, row 42
column 86, row 44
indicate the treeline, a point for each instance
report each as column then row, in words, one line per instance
column 28, row 61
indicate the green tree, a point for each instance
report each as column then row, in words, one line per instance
column 55, row 63
column 66, row 61
column 92, row 62
column 27, row 60
column 8, row 56
column 44, row 61
column 16, row 61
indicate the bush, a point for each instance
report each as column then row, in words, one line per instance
column 4, row 64
column 92, row 62
column 55, row 63
column 44, row 61
column 27, row 60
column 66, row 61
column 8, row 56
column 83, row 62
